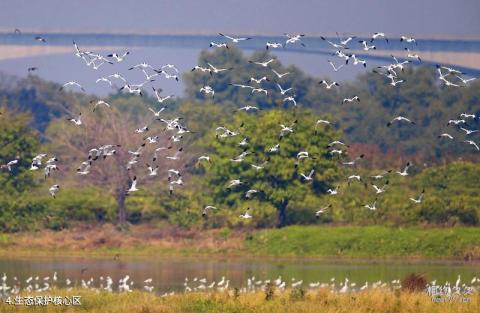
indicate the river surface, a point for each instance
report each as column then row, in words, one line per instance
column 183, row 50
column 169, row 273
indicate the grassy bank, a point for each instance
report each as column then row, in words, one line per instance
column 371, row 241
column 461, row 243
column 312, row 301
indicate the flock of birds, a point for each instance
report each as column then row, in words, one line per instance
column 126, row 284
column 177, row 131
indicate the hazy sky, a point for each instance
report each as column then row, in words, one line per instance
column 417, row 17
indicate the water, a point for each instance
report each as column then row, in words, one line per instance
column 168, row 273
column 183, row 50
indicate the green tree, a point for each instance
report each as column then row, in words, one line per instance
column 279, row 181
column 18, row 141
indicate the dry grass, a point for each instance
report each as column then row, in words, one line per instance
column 107, row 240
column 314, row 301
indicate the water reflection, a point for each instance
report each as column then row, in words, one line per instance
column 168, row 273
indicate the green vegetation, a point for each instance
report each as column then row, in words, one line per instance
column 358, row 242
column 447, row 170
column 320, row 300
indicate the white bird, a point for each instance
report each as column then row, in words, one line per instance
column 352, row 162
column 77, row 121
column 235, row 39
column 411, row 55
column 322, row 210
column 142, row 65
column 157, row 113
column 408, row 39
column 457, row 122
column 382, row 189
column 141, row 129
column 37, row 161
column 292, row 38
column 246, row 215
column 469, row 131
column 234, row 183
column 10, row 164
column 404, row 172
column 366, row 47
column 117, row 76
column 250, row 193
column 347, row 40
column 465, row 81
column 357, row 60
column 302, row 155
column 84, row 168
column 248, row 108
column 54, row 190
column 208, row 90
column 104, row 79
column 280, row 75
column 138, row 152
column 203, row 158
column 290, row 99
column 159, row 98
column 240, row 157
column 72, row 83
column 202, row 69
column 327, row 85
column 258, row 167
column 336, row 142
column 207, row 208
column 468, row 115
column 399, row 119
column 355, row 98
column 132, row 89
column 286, row 129
column 283, row 91
column 471, row 142
column 395, row 82
column 445, row 135
column 447, row 82
column 352, row 177
column 335, row 45
column 264, row 64
column 419, row 199
column 318, row 122
column 171, row 67
column 133, row 186
column 242, row 86
column 258, row 80
column 218, row 45
column 244, row 142
column 377, row 35
column 335, row 68
column 218, row 70
column 169, row 76
column 332, row 192
column 274, row 149
column 371, row 207
column 118, row 57
column 41, row 39
column 153, row 171
column 273, row 45
column 99, row 102
column 309, row 177
column 260, row 90
column 176, row 156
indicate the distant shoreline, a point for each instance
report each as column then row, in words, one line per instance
column 172, row 32
column 325, row 243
